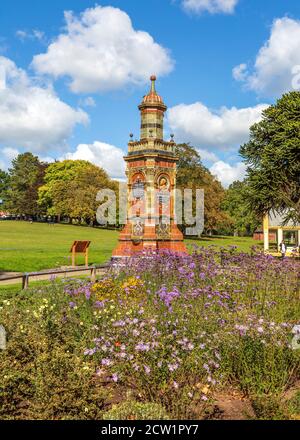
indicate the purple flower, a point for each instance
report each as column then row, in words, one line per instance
column 106, row 362
column 90, row 351
column 190, row 346
column 119, row 324
column 172, row 367
column 99, row 304
column 115, row 377
column 142, row 347
column 242, row 329
column 147, row 369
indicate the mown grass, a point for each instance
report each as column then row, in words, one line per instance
column 26, row 247
column 244, row 244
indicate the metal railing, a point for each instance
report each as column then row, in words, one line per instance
column 25, row 277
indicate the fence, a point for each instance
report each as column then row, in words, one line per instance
column 25, row 277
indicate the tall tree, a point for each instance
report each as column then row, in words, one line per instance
column 273, row 158
column 244, row 220
column 4, row 185
column 191, row 173
column 71, row 187
column 26, row 176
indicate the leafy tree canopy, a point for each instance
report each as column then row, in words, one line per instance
column 273, row 158
column 4, row 185
column 191, row 173
column 26, row 176
column 244, row 220
column 70, row 189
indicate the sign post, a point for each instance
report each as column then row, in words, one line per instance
column 80, row 247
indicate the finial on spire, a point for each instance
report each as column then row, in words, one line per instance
column 153, row 79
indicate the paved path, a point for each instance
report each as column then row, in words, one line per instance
column 8, row 274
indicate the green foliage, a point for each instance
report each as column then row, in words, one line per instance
column 48, row 246
column 269, row 408
column 229, row 326
column 259, row 367
column 32, row 247
column 273, row 158
column 4, row 184
column 192, row 174
column 25, row 177
column 132, row 410
column 235, row 204
column 70, row 189
column 42, row 373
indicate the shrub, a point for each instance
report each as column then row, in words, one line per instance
column 132, row 410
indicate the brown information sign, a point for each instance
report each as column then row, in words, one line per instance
column 80, row 247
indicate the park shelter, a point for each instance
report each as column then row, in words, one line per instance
column 287, row 232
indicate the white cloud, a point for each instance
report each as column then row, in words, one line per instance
column 211, row 6
column 22, row 35
column 38, row 34
column 272, row 73
column 104, row 155
column 226, row 128
column 88, row 102
column 35, row 34
column 101, row 51
column 227, row 173
column 31, row 115
column 240, row 72
column 207, row 155
column 7, row 154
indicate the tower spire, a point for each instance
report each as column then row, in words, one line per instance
column 152, row 79
column 152, row 110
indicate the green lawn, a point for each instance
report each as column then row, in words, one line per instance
column 31, row 247
column 26, row 247
column 243, row 244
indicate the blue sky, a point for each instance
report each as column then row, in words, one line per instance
column 70, row 83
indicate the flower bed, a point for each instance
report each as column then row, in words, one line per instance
column 175, row 330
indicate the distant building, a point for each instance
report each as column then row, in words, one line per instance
column 289, row 233
column 259, row 235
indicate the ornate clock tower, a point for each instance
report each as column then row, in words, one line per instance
column 151, row 174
